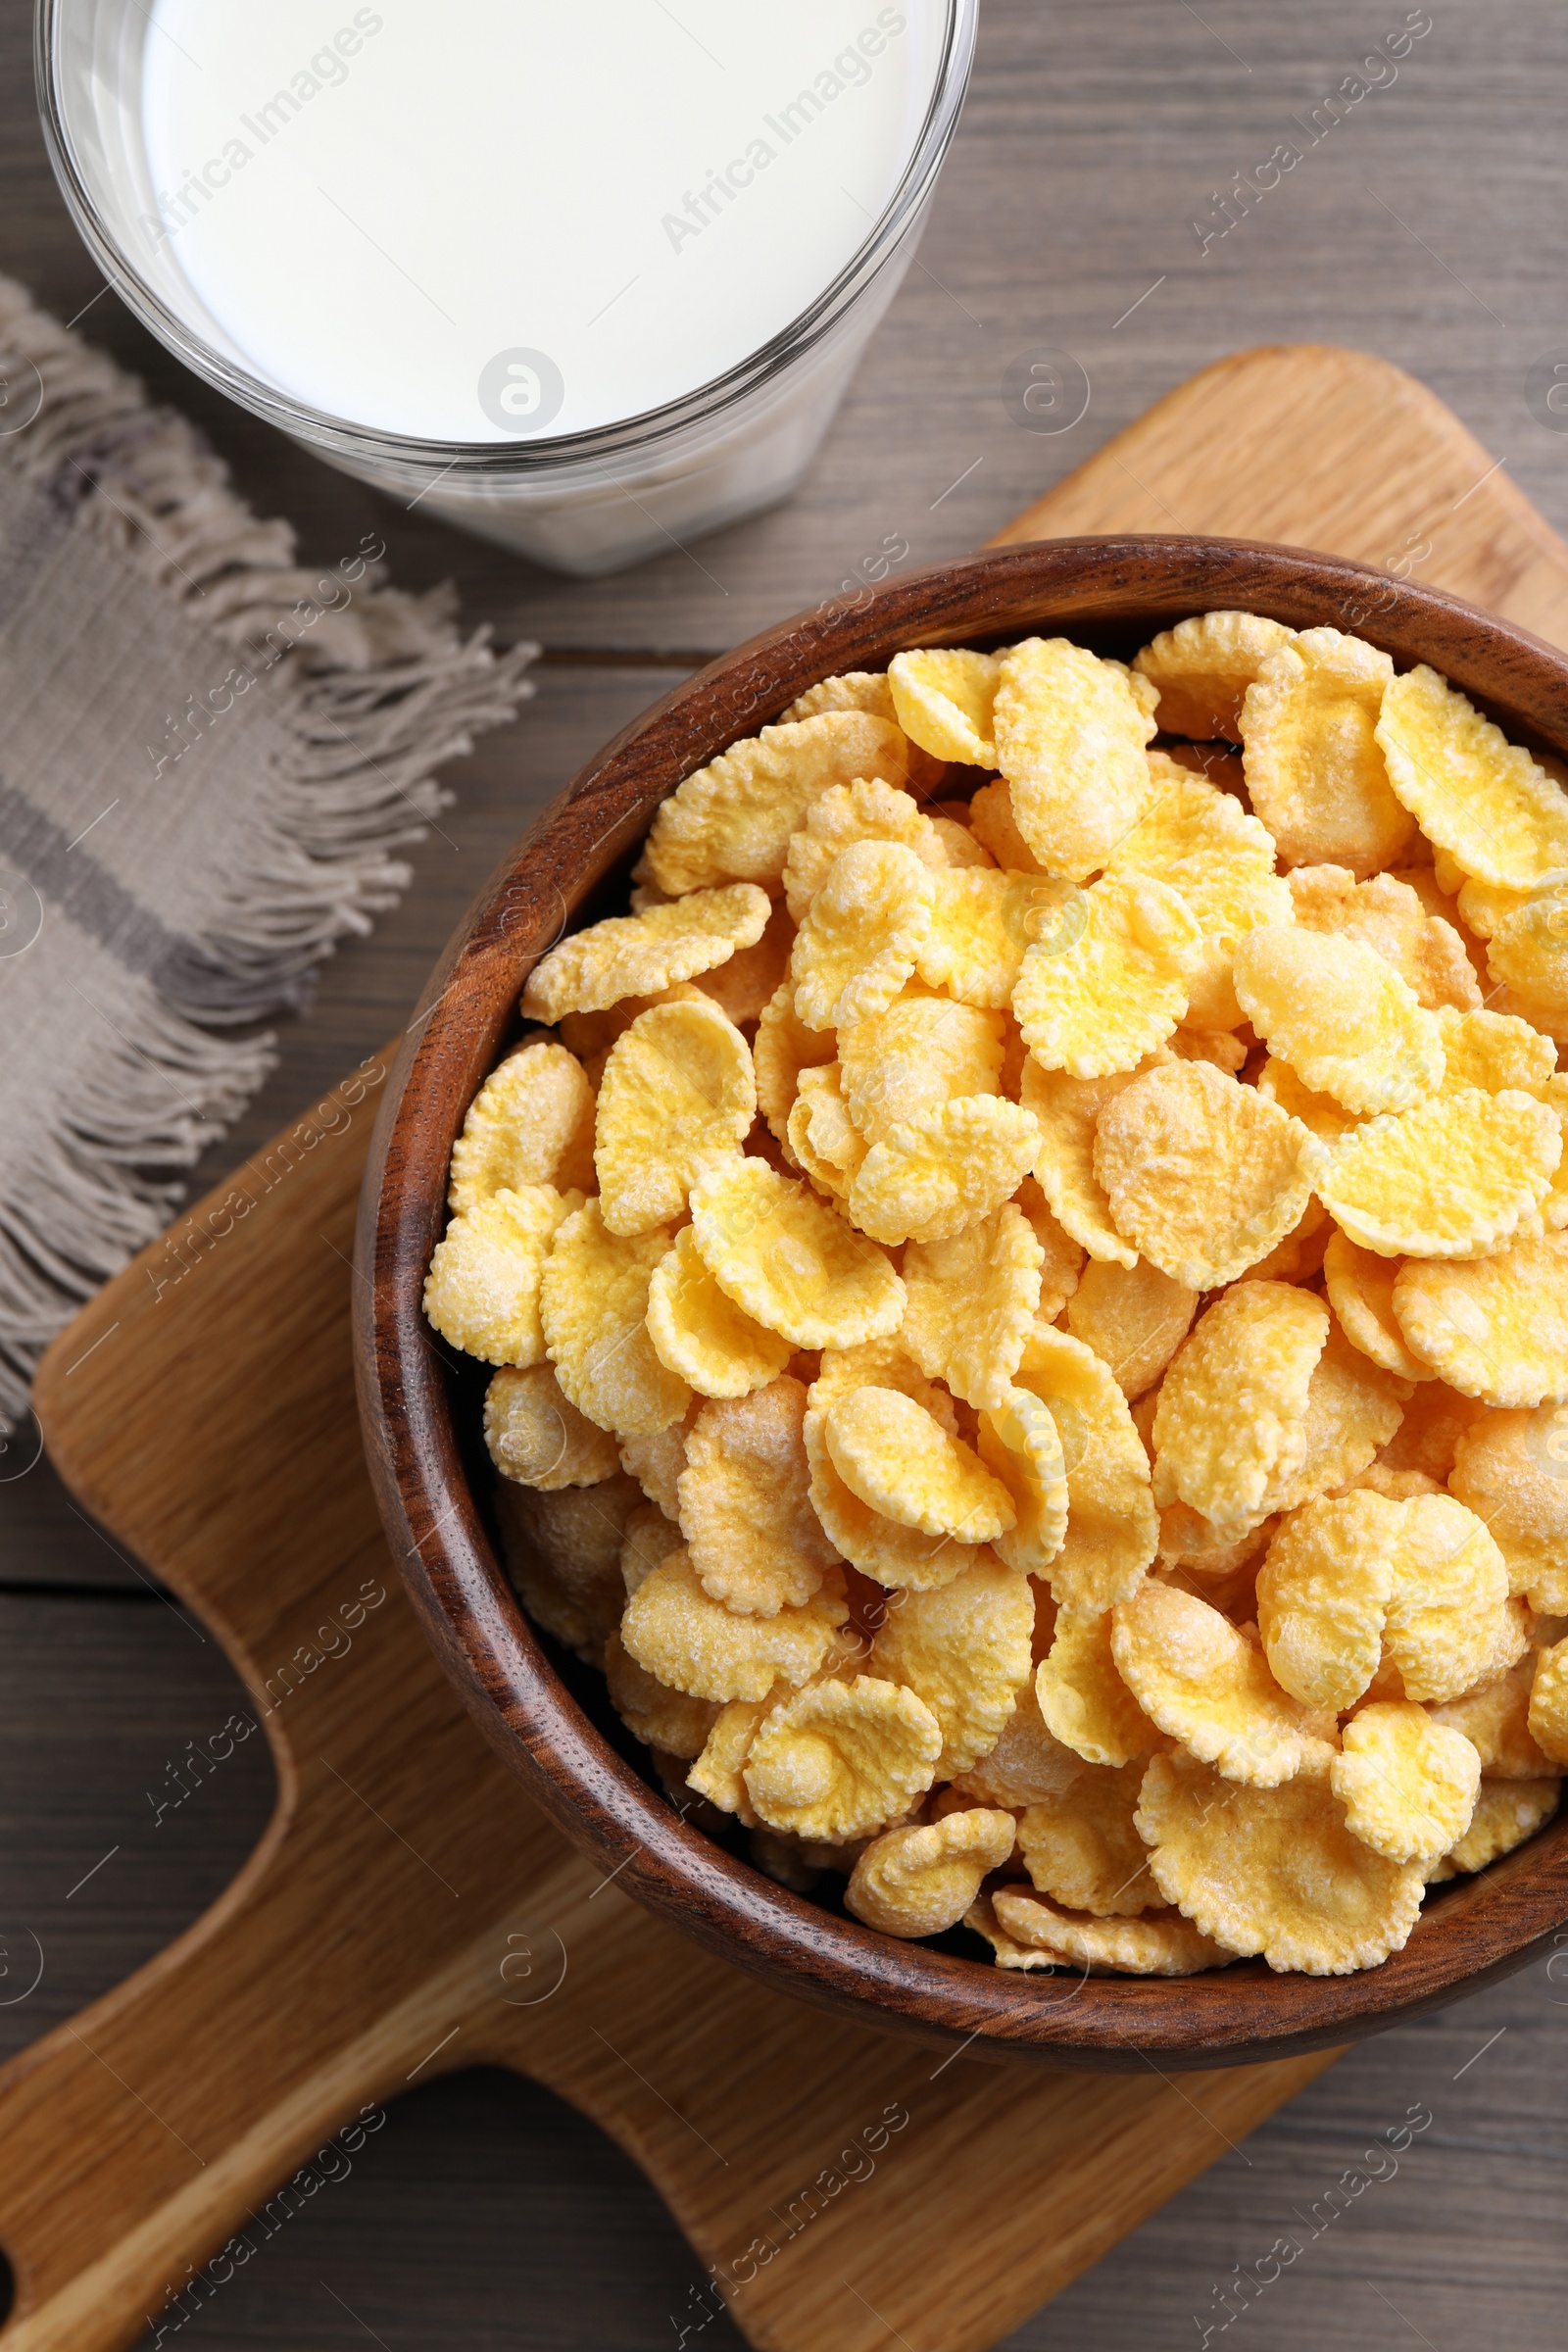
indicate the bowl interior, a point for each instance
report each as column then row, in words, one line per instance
column 419, row 1403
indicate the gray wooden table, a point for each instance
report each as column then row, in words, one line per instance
column 1431, row 227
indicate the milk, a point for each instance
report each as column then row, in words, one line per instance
column 487, row 220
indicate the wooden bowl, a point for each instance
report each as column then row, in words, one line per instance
column 1114, row 594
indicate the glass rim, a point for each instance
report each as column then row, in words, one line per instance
column 374, row 445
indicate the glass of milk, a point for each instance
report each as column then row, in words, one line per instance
column 588, row 279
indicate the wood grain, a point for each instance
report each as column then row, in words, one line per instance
column 407, row 1911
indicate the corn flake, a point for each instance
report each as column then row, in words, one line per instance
column 1506, row 1813
column 1360, row 1288
column 839, row 1759
column 983, row 922
column 783, row 1048
column 1025, row 1932
column 921, row 1052
column 996, row 828
column 531, row 1122
column 1352, row 1409
column 1112, row 1529
column 1549, row 1704
column 1069, row 737
column 649, row 1539
column 1203, row 1175
column 746, row 984
column 637, row 955
column 1221, row 862
column 1511, row 1469
column 932, row 1175
column 1027, row 1764
column 659, row 1717
column 921, row 1882
column 1323, row 1592
column 1327, row 1120
column 1494, row 1050
column 1527, row 953
column 1495, row 1717
column 677, row 1098
column 791, row 1262
column 1408, row 1784
column 1493, row 1328
column 1345, row 1022
column 861, row 938
column 703, row 1337
column 1203, row 669
column 1081, row 1849
column 593, row 1306
column 1232, row 1404
column 964, row 1649
column 1062, row 1256
column 1480, row 798
column 1274, row 1871
column 1388, row 915
column 482, row 1291
column 865, row 811
column 944, row 702
column 880, row 1549
column 562, row 1550
column 1083, row 1701
column 1453, row 1178
column 1020, row 1445
column 732, row 820
column 1450, row 1587
column 537, row 1437
column 1203, row 1682
column 1312, row 751
column 657, row 1459
column 694, row 1643
column 1111, row 979
column 971, row 1304
column 852, row 690
column 898, row 1460
column 756, row 1544
column 822, row 1138
column 1067, row 1110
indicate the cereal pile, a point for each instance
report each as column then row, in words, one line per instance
column 1028, row 1280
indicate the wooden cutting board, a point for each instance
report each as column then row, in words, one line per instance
column 407, row 1911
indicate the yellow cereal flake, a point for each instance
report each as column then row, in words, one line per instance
column 1328, row 1120
column 1083, row 1701
column 841, row 1759
column 562, row 1550
column 1450, row 1587
column 1112, row 1529
column 996, row 828
column 918, row 1055
column 1343, row 1018
column 1408, row 1784
column 964, row 1650
column 960, row 844
column 703, row 1337
column 732, row 820
column 1493, row 1328
column 1482, row 906
column 932, row 1175
column 756, row 1544
column 657, row 1458
column 1232, row 1404
column 1506, row 1813
column 1221, row 861
column 1067, row 1111
column 590, row 1035
column 537, row 1437
column 717, row 1773
column 1187, row 1539
column 483, row 1287
column 865, row 811
column 1494, row 1050
column 862, row 934
column 593, row 1305
column 883, row 1363
column 1360, row 1288
column 783, row 1048
column 1080, row 1847
column 1025, row 1932
column 1495, row 1717
column 1527, row 953
column 677, row 1098
column 637, row 955
column 1020, row 1445
column 694, row 1643
column 971, row 1304
column 1111, row 981
column 1474, row 794
column 1314, row 767
column 944, row 703
column 1352, row 1409
column 1208, row 1683
column 1063, row 1258
column 649, row 1539
column 921, row 1881
column 1511, row 1469
column 1455, row 1177
column 531, row 1122
column 1275, row 1870
column 1134, row 1318
column 1069, row 737
column 1548, row 1702
column 983, row 921
column 822, row 1138
column 753, row 976
column 1388, row 915
column 1323, row 1592
column 1203, row 669
column 899, row 1460
column 852, row 690
column 791, row 1262
column 1203, row 1175
column 1299, row 1255
column 1026, row 1764
column 657, row 1716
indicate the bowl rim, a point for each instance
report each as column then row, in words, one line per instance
column 1484, row 1927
